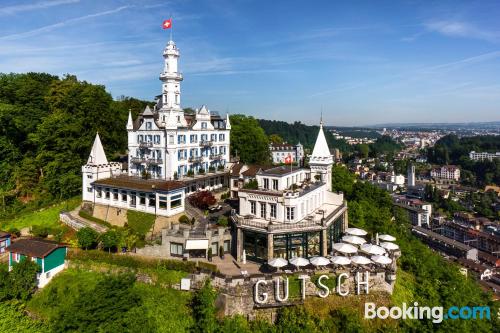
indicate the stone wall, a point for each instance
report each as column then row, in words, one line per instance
column 237, row 295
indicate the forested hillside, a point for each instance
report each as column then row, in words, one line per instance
column 47, row 127
column 453, row 150
column 299, row 132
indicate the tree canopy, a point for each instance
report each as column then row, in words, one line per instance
column 248, row 140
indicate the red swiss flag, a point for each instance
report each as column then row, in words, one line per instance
column 288, row 159
column 167, row 24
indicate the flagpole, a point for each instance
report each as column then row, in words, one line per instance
column 171, row 27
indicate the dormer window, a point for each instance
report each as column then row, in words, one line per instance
column 204, row 125
column 149, row 125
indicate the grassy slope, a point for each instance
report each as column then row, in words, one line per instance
column 48, row 216
column 168, row 307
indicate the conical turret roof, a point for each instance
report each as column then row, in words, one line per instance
column 97, row 155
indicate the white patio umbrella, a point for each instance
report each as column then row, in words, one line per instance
column 345, row 248
column 319, row 261
column 372, row 249
column 340, row 260
column 360, row 260
column 299, row 261
column 277, row 262
column 382, row 260
column 353, row 240
column 387, row 238
column 355, row 232
column 389, row 246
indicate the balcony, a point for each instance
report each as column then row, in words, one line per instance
column 154, row 161
column 195, row 159
column 146, row 144
column 216, row 156
column 140, row 160
column 206, row 143
column 175, row 76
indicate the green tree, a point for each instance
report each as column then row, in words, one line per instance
column 276, row 139
column 342, row 180
column 111, row 239
column 245, row 130
column 87, row 238
column 203, row 305
column 23, row 281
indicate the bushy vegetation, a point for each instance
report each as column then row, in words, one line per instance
column 47, row 127
column 248, row 140
column 202, row 199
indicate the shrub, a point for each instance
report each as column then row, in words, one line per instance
column 14, row 231
column 190, row 173
column 222, row 221
column 87, row 238
column 40, row 231
column 111, row 240
column 132, row 262
column 208, row 266
column 251, row 185
column 211, row 169
column 202, row 199
column 184, row 219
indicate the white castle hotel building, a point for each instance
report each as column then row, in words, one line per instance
column 170, row 153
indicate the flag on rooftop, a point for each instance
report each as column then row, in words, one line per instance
column 167, row 24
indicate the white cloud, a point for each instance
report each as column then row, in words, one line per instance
column 34, row 6
column 462, row 29
column 61, row 24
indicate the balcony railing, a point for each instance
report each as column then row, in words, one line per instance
column 145, row 144
column 206, row 143
column 195, row 159
column 139, row 160
column 216, row 156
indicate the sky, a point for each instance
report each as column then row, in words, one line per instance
column 355, row 62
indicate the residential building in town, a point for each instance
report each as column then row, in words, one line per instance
column 419, row 212
column 448, row 172
column 4, row 241
column 49, row 256
column 281, row 151
column 292, row 212
column 477, row 156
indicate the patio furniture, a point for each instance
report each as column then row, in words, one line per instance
column 353, row 240
column 345, row 248
column 372, row 249
column 356, row 232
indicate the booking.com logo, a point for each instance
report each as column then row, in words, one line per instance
column 436, row 313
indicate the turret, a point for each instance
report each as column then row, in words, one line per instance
column 321, row 160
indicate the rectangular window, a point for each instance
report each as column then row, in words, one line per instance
column 124, row 196
column 176, row 249
column 275, row 184
column 107, row 193
column 115, row 194
column 213, row 137
column 266, row 183
column 175, row 201
column 133, row 199
column 99, row 192
column 89, row 189
column 273, row 211
column 215, row 249
column 227, row 246
column 290, row 213
column 221, row 137
column 263, row 210
column 89, row 176
column 162, row 202
column 152, row 200
column 253, row 208
column 142, row 199
column 149, row 125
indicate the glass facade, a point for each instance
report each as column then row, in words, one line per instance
column 334, row 232
column 255, row 245
column 301, row 244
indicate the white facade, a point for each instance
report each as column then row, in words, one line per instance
column 411, row 175
column 169, row 144
column 97, row 167
column 279, row 152
column 291, row 195
column 483, row 156
column 446, row 172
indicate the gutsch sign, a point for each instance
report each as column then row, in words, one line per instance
column 261, row 297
